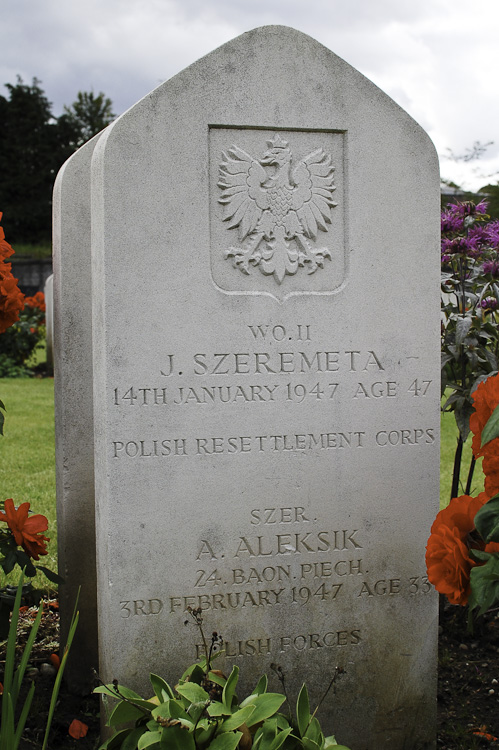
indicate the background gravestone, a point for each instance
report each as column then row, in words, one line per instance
column 266, row 382
column 73, row 382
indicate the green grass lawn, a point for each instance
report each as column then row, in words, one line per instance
column 27, row 465
column 27, row 460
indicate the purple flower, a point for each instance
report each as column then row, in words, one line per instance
column 489, row 303
column 492, row 233
column 449, row 222
column 491, row 267
column 456, row 245
column 468, row 208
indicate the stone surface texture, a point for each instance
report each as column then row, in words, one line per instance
column 73, row 376
column 266, row 382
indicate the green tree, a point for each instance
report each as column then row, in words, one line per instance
column 88, row 115
column 32, row 148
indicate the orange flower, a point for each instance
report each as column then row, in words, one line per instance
column 11, row 297
column 485, row 399
column 77, row 729
column 448, row 559
column 490, row 467
column 5, row 249
column 37, row 301
column 27, row 530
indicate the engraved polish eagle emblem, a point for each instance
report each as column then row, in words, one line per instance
column 278, row 207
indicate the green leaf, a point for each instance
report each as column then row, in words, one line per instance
column 148, row 739
column 303, row 710
column 218, row 679
column 239, row 717
column 162, row 690
column 24, row 715
column 491, row 429
column 50, row 574
column 266, row 705
column 225, row 741
column 314, row 731
column 309, row 744
column 193, row 692
column 124, row 712
column 281, row 736
column 463, row 411
column 487, row 520
column 176, row 738
column 218, row 709
column 463, row 326
column 261, row 686
column 116, row 741
column 170, row 709
column 230, row 687
column 484, row 581
column 131, row 741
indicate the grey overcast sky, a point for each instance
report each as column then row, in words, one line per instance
column 438, row 59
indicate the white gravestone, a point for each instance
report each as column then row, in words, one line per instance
column 48, row 291
column 73, row 381
column 266, row 363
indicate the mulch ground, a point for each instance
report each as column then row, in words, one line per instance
column 468, row 690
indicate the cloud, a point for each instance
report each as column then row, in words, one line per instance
column 434, row 58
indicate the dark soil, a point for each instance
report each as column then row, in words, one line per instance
column 468, row 689
column 468, row 681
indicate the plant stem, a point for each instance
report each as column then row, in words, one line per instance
column 457, row 468
column 470, row 475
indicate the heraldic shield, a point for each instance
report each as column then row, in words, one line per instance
column 277, row 211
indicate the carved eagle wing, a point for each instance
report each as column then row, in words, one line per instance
column 243, row 198
column 313, row 180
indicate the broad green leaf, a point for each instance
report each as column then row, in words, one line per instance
column 177, row 738
column 266, row 734
column 193, row 692
column 303, row 710
column 265, row 705
column 218, row 679
column 487, row 520
column 106, row 690
column 314, row 731
column 261, row 686
column 230, row 687
column 309, row 744
column 131, row 741
column 124, row 712
column 279, row 739
column 484, row 581
column 116, row 741
column 204, row 732
column 463, row 411
column 225, row 741
column 148, row 739
column 161, row 688
column 170, row 710
column 491, row 429
column 217, row 709
column 463, row 326
column 282, row 722
column 239, row 717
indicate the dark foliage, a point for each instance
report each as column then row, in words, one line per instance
column 33, row 146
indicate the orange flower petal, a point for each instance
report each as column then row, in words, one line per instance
column 77, row 729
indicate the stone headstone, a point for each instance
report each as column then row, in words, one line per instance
column 265, row 281
column 48, row 291
column 74, row 444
